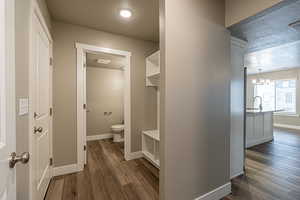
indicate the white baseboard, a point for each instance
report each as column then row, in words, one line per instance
column 134, row 155
column 257, row 142
column 150, row 158
column 99, row 137
column 217, row 194
column 287, row 126
column 236, row 175
column 66, row 169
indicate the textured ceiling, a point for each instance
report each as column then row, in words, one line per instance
column 117, row 62
column 104, row 15
column 272, row 44
column 273, row 59
column 270, row 28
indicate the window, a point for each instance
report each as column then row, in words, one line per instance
column 267, row 92
column 286, row 95
column 278, row 95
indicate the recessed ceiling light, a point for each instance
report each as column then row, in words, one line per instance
column 125, row 13
column 103, row 61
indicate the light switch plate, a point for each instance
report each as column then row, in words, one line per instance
column 23, row 106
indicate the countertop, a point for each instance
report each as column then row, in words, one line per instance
column 261, row 111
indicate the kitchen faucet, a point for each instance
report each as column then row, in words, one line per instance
column 260, row 105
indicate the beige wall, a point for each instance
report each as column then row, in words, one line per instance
column 44, row 9
column 105, row 93
column 195, row 98
column 278, row 119
column 22, row 18
column 238, row 10
column 22, row 91
column 64, row 120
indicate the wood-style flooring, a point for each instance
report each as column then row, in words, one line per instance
column 272, row 170
column 107, row 176
column 272, row 173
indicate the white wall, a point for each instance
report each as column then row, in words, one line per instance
column 105, row 93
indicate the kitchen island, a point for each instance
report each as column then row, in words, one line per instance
column 259, row 127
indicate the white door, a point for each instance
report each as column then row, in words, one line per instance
column 7, row 100
column 41, row 90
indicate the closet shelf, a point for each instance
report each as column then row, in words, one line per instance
column 154, row 75
column 153, row 69
column 154, row 134
column 150, row 146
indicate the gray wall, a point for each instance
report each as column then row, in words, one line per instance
column 292, row 73
column 22, row 91
column 238, row 10
column 44, row 9
column 22, row 18
column 64, row 89
column 195, row 98
column 105, row 93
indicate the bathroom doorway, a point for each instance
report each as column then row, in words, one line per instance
column 103, row 98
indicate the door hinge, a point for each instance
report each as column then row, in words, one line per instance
column 84, row 65
column 51, row 112
column 84, row 106
column 84, row 147
column 51, row 61
column 51, row 161
column 35, row 115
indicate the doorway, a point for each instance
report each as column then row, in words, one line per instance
column 85, row 55
column 271, row 118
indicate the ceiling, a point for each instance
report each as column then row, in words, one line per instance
column 104, row 15
column 282, row 57
column 117, row 62
column 272, row 44
column 271, row 28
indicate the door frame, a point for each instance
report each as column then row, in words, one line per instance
column 35, row 12
column 82, row 49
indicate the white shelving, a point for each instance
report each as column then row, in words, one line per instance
column 153, row 69
column 150, row 138
column 150, row 146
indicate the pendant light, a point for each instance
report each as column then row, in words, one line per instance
column 260, row 80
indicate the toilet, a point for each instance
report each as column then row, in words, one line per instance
column 118, row 132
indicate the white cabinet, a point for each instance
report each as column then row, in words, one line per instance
column 150, row 146
column 237, row 108
column 153, row 69
column 259, row 128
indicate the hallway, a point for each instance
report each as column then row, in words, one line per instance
column 107, row 176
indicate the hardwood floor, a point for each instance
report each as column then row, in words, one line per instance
column 272, row 170
column 107, row 176
column 272, row 173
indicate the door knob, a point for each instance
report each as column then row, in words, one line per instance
column 23, row 158
column 38, row 130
